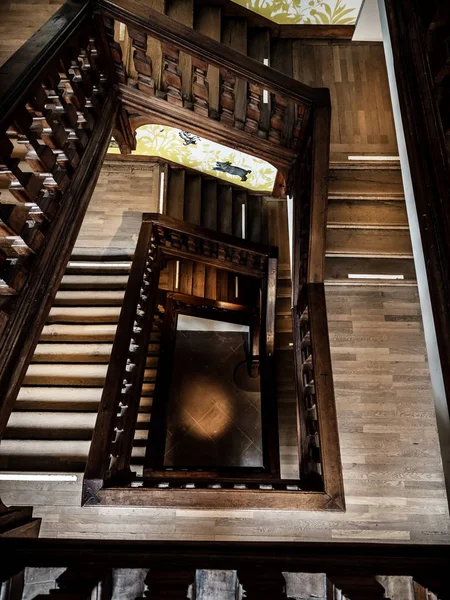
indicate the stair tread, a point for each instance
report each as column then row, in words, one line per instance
column 96, row 314
column 89, row 298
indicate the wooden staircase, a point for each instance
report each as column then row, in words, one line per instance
column 51, row 426
column 367, row 230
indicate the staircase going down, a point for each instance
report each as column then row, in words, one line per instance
column 51, row 426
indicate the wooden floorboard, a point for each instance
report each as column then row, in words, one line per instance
column 19, row 20
column 392, row 468
column 361, row 121
column 123, row 192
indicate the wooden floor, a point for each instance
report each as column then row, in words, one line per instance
column 391, row 463
column 392, row 470
column 362, row 121
column 19, row 20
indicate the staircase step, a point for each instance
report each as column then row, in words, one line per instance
column 58, row 398
column 337, row 269
column 44, row 455
column 365, row 181
column 49, row 455
column 283, row 306
column 283, row 323
column 102, row 254
column 57, row 425
column 78, row 333
column 89, row 298
column 97, row 267
column 94, row 282
column 381, row 213
column 72, row 353
column 79, row 375
column 84, row 314
column 78, row 353
column 50, row 425
column 368, row 242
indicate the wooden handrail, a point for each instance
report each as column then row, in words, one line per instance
column 427, row 564
column 161, row 238
column 165, row 29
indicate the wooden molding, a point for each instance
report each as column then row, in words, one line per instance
column 155, row 111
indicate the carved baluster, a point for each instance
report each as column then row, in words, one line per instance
column 191, row 245
column 200, row 89
column 221, row 254
column 115, row 49
column 207, row 249
column 171, row 78
column 253, row 109
column 277, row 120
column 236, row 256
column 227, row 98
column 175, row 239
column 20, row 220
column 142, row 63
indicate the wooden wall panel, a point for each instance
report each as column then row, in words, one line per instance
column 124, row 191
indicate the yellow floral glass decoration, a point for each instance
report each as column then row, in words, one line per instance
column 306, row 12
column 203, row 155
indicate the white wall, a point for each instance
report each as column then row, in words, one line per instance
column 368, row 25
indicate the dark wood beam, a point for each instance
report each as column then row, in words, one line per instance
column 155, row 111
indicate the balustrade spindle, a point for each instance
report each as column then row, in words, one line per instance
column 253, row 109
column 171, row 78
column 200, row 89
column 227, row 98
column 142, row 63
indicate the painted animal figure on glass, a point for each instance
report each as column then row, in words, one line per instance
column 227, row 167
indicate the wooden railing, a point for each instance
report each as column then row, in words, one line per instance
column 350, row 571
column 162, row 238
column 319, row 450
column 57, row 118
column 209, row 86
column 57, row 106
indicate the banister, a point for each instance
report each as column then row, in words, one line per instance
column 165, row 29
